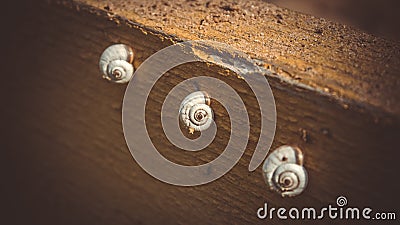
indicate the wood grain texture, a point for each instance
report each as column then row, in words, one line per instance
column 66, row 157
column 327, row 57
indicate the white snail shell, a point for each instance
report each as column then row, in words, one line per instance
column 116, row 63
column 195, row 111
column 284, row 172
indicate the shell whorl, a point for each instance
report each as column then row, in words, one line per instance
column 116, row 63
column 195, row 111
column 289, row 179
column 283, row 171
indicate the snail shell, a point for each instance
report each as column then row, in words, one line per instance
column 116, row 63
column 284, row 172
column 195, row 111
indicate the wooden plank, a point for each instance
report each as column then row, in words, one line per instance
column 67, row 156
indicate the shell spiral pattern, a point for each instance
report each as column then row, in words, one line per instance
column 189, row 103
column 284, row 172
column 116, row 63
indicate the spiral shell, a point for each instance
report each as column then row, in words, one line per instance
column 116, row 63
column 284, row 172
column 195, row 111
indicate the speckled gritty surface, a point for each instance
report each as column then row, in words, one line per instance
column 328, row 57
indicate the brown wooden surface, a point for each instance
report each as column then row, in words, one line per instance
column 66, row 161
column 327, row 57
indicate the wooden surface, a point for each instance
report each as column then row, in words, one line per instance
column 377, row 17
column 317, row 54
column 66, row 161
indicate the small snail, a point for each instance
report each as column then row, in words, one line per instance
column 283, row 171
column 116, row 63
column 195, row 111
